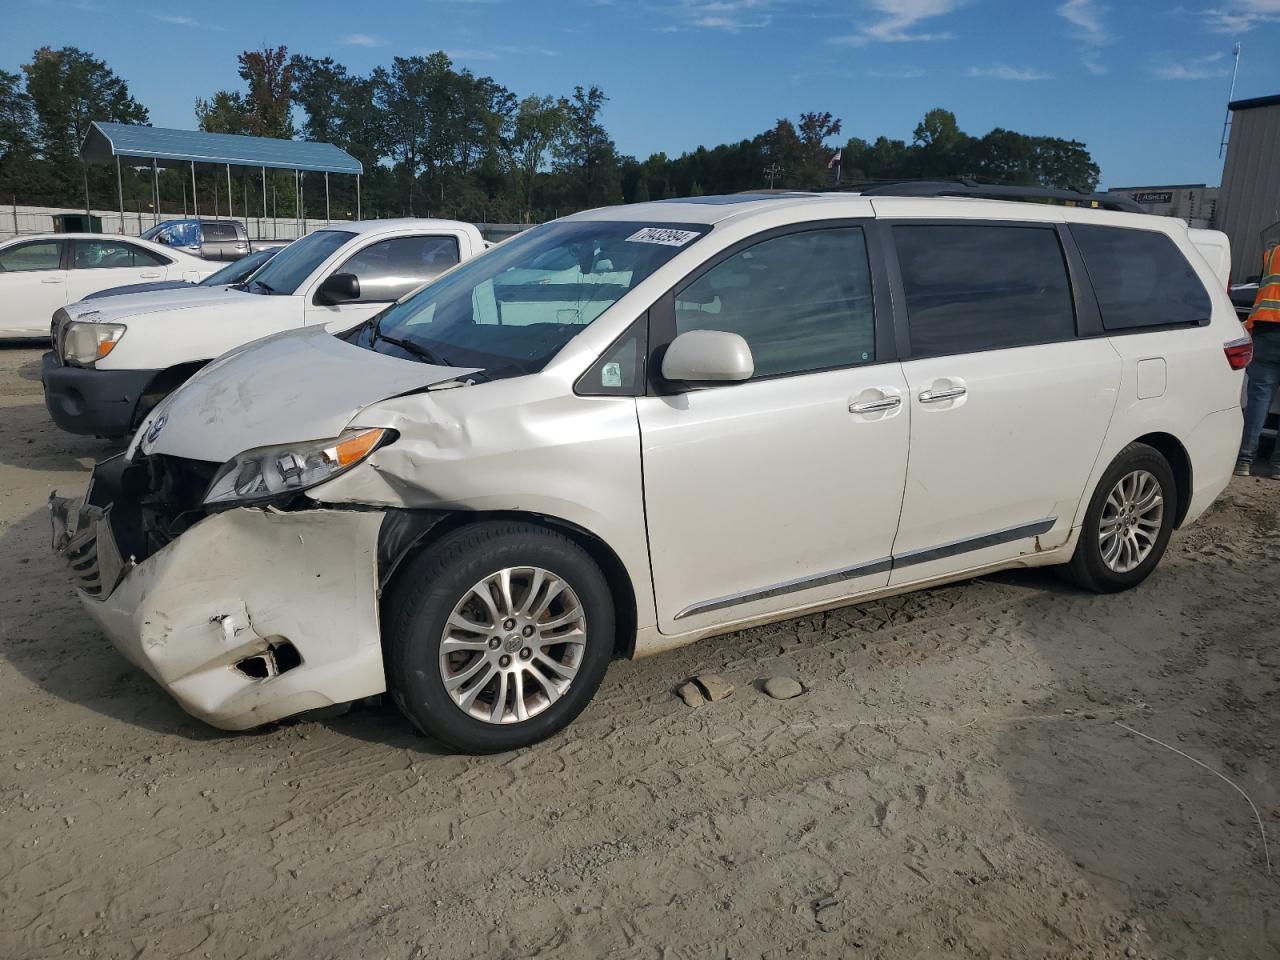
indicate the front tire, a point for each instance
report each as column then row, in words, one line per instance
column 498, row 636
column 1128, row 524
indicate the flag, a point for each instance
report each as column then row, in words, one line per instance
column 839, row 155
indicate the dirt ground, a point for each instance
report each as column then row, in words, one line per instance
column 953, row 783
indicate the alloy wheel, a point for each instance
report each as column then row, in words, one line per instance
column 1131, row 520
column 513, row 645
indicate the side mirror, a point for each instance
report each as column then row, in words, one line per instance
column 339, row 288
column 708, row 356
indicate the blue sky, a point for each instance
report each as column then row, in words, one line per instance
column 1144, row 84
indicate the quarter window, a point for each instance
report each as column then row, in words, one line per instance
column 36, row 255
column 391, row 268
column 1141, row 278
column 218, row 232
column 107, row 254
column 974, row 287
column 802, row 301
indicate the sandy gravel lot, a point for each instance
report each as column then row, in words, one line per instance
column 952, row 784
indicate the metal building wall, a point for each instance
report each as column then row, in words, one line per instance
column 1250, row 197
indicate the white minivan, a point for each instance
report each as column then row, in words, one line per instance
column 115, row 358
column 638, row 426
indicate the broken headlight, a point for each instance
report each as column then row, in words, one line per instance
column 270, row 472
column 84, row 344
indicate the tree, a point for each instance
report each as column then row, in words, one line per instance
column 269, row 103
column 224, row 112
column 410, row 95
column 538, row 125
column 585, row 151
column 68, row 90
column 17, row 143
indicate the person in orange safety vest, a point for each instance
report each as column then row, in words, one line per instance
column 1264, row 372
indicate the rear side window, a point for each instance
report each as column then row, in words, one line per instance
column 1141, row 278
column 974, row 287
column 110, row 254
column 802, row 301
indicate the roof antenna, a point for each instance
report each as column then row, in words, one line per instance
column 1226, row 124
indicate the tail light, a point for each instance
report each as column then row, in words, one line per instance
column 1239, row 352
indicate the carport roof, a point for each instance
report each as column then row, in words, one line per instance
column 107, row 140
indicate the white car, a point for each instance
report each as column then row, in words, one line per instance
column 113, row 359
column 39, row 274
column 723, row 412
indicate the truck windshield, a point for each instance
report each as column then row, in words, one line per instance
column 287, row 269
column 514, row 307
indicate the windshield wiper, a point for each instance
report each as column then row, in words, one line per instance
column 422, row 353
column 267, row 287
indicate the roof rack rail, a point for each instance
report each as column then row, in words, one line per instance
column 996, row 191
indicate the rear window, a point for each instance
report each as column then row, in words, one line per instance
column 975, row 287
column 1141, row 278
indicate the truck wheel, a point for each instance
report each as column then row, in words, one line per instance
column 498, row 636
column 1128, row 524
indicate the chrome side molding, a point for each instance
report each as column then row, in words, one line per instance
column 883, row 565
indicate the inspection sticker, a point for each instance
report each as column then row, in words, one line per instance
column 668, row 238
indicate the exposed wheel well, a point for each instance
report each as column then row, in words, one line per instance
column 1173, row 450
column 624, row 596
column 163, row 384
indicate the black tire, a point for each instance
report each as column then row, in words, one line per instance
column 1087, row 569
column 424, row 596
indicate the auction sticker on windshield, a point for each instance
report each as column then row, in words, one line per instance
column 668, row 238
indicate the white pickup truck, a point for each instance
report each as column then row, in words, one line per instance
column 112, row 360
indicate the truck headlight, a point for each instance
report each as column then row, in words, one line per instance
column 84, row 344
column 270, row 472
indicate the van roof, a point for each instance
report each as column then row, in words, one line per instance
column 711, row 210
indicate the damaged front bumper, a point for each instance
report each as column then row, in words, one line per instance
column 248, row 616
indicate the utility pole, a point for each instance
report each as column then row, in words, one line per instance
column 773, row 171
column 1231, row 95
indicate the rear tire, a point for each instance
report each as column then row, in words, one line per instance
column 1128, row 524
column 498, row 636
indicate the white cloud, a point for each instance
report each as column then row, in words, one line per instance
column 185, row 21
column 1197, row 68
column 728, row 15
column 1241, row 16
column 1088, row 20
column 1003, row 72
column 896, row 22
column 500, row 51
column 896, row 73
column 362, row 40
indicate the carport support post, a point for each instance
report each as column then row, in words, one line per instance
column 195, row 204
column 264, row 207
column 297, row 205
column 357, row 196
column 120, row 193
column 327, row 221
column 155, row 189
column 231, row 215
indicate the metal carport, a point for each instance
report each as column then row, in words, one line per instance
column 163, row 147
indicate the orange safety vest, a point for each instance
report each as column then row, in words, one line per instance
column 1266, row 306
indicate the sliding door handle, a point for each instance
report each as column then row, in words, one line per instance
column 875, row 406
column 937, row 396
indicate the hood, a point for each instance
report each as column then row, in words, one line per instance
column 132, row 288
column 112, row 308
column 299, row 385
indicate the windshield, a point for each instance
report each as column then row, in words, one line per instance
column 239, row 271
column 288, row 268
column 178, row 233
column 517, row 305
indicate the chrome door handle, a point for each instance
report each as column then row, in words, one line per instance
column 937, row 396
column 875, row 406
column 52, row 280
column 149, row 276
